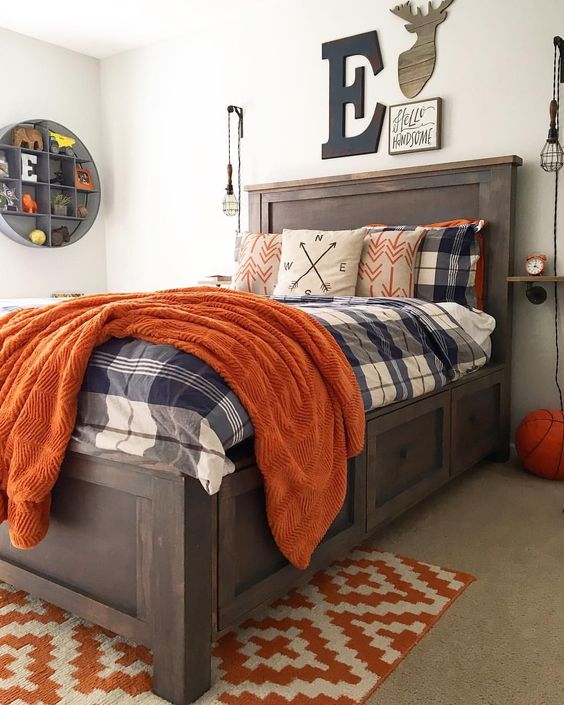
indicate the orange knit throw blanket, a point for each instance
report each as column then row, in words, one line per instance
column 289, row 373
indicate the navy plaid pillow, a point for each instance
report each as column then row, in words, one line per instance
column 446, row 269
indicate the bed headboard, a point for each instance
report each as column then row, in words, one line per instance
column 482, row 188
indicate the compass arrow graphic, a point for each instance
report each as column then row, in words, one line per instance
column 324, row 286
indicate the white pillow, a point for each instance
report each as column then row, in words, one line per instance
column 479, row 325
column 319, row 262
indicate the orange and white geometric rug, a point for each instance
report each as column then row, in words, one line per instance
column 332, row 642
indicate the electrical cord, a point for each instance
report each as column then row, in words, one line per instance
column 556, row 311
column 556, row 97
column 239, row 174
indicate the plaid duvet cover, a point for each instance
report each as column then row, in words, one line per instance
column 155, row 406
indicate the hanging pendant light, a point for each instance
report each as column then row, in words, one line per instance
column 552, row 154
column 231, row 202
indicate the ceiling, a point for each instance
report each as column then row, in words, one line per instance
column 106, row 27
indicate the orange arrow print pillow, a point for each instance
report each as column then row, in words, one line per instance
column 387, row 262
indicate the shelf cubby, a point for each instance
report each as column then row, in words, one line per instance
column 17, row 224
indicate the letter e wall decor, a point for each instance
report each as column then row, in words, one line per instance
column 337, row 52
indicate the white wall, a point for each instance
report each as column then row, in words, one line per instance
column 165, row 132
column 40, row 80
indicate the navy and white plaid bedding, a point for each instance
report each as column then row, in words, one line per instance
column 156, row 406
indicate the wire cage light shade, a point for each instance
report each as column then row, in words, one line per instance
column 552, row 154
column 230, row 204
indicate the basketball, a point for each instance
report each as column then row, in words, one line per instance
column 540, row 443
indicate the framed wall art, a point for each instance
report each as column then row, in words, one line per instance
column 415, row 127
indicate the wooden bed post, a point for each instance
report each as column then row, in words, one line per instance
column 181, row 580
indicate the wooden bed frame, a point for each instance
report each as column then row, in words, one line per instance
column 149, row 555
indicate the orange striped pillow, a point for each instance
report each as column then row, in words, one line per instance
column 387, row 262
column 259, row 261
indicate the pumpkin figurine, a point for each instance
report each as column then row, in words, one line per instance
column 82, row 211
column 28, row 204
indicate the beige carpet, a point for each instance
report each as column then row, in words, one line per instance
column 502, row 643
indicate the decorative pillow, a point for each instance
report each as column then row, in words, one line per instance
column 387, row 262
column 479, row 225
column 319, row 262
column 259, row 259
column 446, row 270
column 480, row 267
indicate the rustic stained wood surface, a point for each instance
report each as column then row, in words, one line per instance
column 416, row 65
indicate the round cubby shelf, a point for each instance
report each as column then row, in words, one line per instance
column 73, row 175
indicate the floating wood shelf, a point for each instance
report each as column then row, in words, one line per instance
column 536, row 280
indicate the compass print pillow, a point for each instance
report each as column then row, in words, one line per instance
column 319, row 262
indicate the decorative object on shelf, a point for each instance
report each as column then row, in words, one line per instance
column 84, row 179
column 60, row 236
column 4, row 168
column 8, row 198
column 415, row 127
column 539, row 440
column 416, row 65
column 82, row 212
column 38, row 237
column 535, row 265
column 231, row 203
column 61, row 203
column 61, row 144
column 58, row 178
column 340, row 94
column 552, row 155
column 53, row 174
column 28, row 138
column 29, row 167
column 28, row 204
column 67, row 294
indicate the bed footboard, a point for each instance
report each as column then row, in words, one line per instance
column 130, row 550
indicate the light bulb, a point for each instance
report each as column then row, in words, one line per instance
column 230, row 204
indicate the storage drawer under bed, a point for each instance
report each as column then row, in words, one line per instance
column 408, row 456
column 477, row 422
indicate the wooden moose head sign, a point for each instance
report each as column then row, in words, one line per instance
column 416, row 66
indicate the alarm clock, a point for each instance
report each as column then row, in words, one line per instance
column 535, row 264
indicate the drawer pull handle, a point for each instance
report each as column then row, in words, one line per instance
column 403, row 453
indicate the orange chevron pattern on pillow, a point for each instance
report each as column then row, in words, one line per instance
column 387, row 262
column 259, row 260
